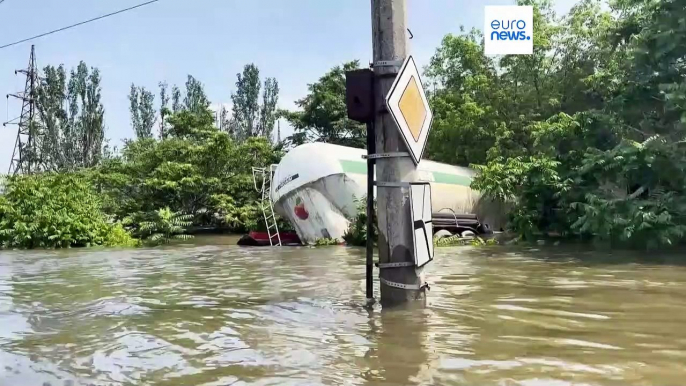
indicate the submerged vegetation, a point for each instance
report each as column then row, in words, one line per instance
column 585, row 138
column 356, row 234
column 324, row 241
column 55, row 210
column 166, row 225
column 456, row 240
column 194, row 174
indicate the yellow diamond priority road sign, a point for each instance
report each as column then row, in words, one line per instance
column 408, row 105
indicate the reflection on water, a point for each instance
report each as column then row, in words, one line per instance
column 211, row 313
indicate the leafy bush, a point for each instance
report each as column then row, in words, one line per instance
column 119, row 236
column 322, row 242
column 356, row 234
column 638, row 197
column 453, row 241
column 55, row 211
column 166, row 225
column 197, row 170
column 531, row 184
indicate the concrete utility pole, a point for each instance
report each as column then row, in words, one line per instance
column 389, row 35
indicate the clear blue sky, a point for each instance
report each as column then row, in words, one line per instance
column 295, row 41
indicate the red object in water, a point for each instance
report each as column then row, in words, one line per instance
column 262, row 239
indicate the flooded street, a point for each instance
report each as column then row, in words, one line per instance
column 212, row 313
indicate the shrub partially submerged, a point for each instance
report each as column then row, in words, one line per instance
column 55, row 211
column 454, row 241
column 324, row 241
column 166, row 225
column 356, row 234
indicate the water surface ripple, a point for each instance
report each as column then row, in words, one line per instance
column 211, row 313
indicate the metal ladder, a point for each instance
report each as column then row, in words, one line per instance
column 264, row 187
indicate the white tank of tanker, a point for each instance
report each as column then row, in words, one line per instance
column 316, row 187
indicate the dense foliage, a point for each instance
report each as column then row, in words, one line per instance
column 357, row 229
column 166, row 225
column 197, row 170
column 584, row 137
column 250, row 118
column 55, row 210
column 196, row 176
column 142, row 111
column 193, row 174
column 323, row 116
column 70, row 121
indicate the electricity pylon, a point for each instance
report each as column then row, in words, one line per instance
column 25, row 156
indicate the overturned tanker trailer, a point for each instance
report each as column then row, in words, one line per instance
column 316, row 187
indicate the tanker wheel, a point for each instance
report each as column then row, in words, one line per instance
column 442, row 234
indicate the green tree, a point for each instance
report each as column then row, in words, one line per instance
column 90, row 127
column 142, row 111
column 71, row 118
column 53, row 145
column 270, row 98
column 245, row 102
column 466, row 101
column 164, row 107
column 195, row 100
column 176, row 99
column 222, row 118
column 249, row 117
column 198, row 170
column 323, row 115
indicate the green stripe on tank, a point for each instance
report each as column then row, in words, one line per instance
column 358, row 167
column 453, row 179
column 354, row 167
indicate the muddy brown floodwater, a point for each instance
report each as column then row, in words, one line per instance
column 211, row 313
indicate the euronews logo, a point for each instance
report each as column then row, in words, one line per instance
column 508, row 30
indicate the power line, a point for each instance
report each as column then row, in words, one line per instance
column 77, row 24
